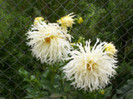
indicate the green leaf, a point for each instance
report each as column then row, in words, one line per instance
column 32, row 77
column 56, row 95
column 23, row 72
column 127, row 90
column 2, row 98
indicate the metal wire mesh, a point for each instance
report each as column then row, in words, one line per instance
column 16, row 17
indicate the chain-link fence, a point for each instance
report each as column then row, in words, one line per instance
column 109, row 20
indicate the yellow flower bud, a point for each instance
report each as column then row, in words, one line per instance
column 102, row 92
column 38, row 19
column 80, row 20
column 109, row 47
column 66, row 21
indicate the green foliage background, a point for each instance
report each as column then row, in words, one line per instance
column 22, row 76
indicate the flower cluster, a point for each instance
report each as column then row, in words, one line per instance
column 89, row 67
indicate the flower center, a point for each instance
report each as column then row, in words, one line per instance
column 90, row 65
column 48, row 39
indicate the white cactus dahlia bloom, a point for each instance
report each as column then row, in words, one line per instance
column 90, row 68
column 49, row 42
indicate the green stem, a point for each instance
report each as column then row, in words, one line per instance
column 53, row 75
column 70, row 29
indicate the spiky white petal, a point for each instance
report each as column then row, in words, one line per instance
column 49, row 42
column 90, row 68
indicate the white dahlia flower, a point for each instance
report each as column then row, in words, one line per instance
column 49, row 42
column 67, row 21
column 90, row 67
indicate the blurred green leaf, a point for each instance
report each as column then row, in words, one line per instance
column 56, row 95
